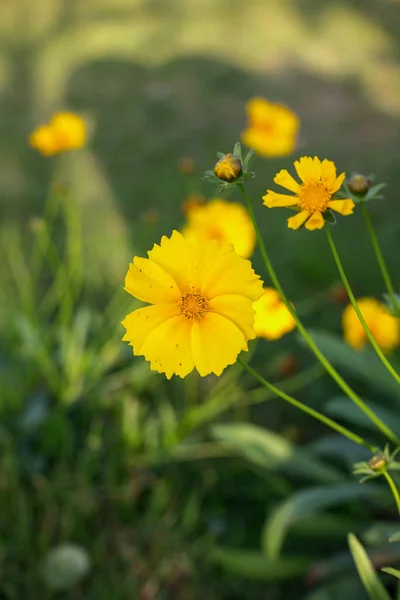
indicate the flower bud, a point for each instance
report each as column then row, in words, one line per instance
column 192, row 202
column 377, row 462
column 359, row 184
column 186, row 165
column 228, row 168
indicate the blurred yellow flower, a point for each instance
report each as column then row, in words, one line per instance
column 272, row 319
column 200, row 315
column 384, row 327
column 228, row 168
column 66, row 131
column 313, row 195
column 226, row 222
column 272, row 128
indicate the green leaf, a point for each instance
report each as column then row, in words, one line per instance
column 304, row 504
column 364, row 365
column 391, row 571
column 272, row 451
column 342, row 407
column 247, row 160
column 366, row 571
column 237, row 151
column 254, row 565
column 395, row 537
column 329, row 217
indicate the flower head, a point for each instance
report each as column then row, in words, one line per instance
column 200, row 314
column 272, row 319
column 66, row 131
column 272, row 128
column 384, row 327
column 226, row 222
column 228, row 168
column 313, row 196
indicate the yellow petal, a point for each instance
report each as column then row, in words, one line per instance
column 70, row 130
column 230, row 274
column 259, row 110
column 284, row 179
column 344, row 207
column 308, row 169
column 148, row 282
column 141, row 322
column 298, row 220
column 168, row 347
column 316, row 221
column 273, row 200
column 272, row 319
column 269, row 143
column 44, row 140
column 337, row 184
column 237, row 309
column 216, row 343
column 173, row 256
column 328, row 173
column 223, row 221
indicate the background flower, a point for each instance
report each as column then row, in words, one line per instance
column 313, row 196
column 271, row 129
column 272, row 319
column 66, row 131
column 226, row 222
column 200, row 314
column 384, row 327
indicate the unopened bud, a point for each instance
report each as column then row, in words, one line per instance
column 359, row 184
column 377, row 462
column 228, row 168
column 191, row 203
column 288, row 366
column 186, row 165
column 337, row 293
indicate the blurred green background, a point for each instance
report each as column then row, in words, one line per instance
column 135, row 472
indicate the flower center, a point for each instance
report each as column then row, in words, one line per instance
column 314, row 197
column 193, row 305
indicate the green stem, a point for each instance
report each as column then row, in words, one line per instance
column 394, row 489
column 381, row 260
column 310, row 411
column 353, row 301
column 308, row 339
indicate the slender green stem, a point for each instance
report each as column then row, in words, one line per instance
column 308, row 339
column 394, row 489
column 353, row 301
column 310, row 411
column 381, row 260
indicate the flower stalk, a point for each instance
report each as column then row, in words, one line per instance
column 353, row 301
column 308, row 339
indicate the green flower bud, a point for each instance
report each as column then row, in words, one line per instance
column 228, row 168
column 359, row 184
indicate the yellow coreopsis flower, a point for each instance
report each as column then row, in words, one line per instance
column 200, row 314
column 384, row 327
column 228, row 168
column 272, row 319
column 272, row 128
column 66, row 131
column 313, row 196
column 227, row 222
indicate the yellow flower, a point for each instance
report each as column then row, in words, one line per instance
column 200, row 315
column 66, row 131
column 224, row 221
column 313, row 196
column 272, row 319
column 384, row 327
column 272, row 128
column 228, row 168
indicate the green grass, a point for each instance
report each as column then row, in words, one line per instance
column 96, row 449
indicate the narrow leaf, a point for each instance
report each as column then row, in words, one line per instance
column 366, row 571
